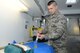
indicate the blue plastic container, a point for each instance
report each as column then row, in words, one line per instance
column 41, row 47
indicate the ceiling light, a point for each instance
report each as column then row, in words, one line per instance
column 71, row 1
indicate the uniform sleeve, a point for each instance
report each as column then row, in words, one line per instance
column 59, row 29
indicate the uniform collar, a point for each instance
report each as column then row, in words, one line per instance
column 55, row 15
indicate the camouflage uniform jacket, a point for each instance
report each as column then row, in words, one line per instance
column 56, row 27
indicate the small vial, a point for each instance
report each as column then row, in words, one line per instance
column 35, row 44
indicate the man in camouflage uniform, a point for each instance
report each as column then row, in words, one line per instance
column 56, row 27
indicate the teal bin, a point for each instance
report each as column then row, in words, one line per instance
column 14, row 49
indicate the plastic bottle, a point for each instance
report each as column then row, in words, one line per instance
column 14, row 42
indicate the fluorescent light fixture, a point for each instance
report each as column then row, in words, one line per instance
column 71, row 1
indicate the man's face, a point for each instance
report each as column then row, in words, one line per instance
column 52, row 8
column 40, row 36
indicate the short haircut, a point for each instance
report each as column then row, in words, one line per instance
column 51, row 2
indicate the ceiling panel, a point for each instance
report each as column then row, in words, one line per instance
column 37, row 6
column 34, row 10
column 62, row 5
